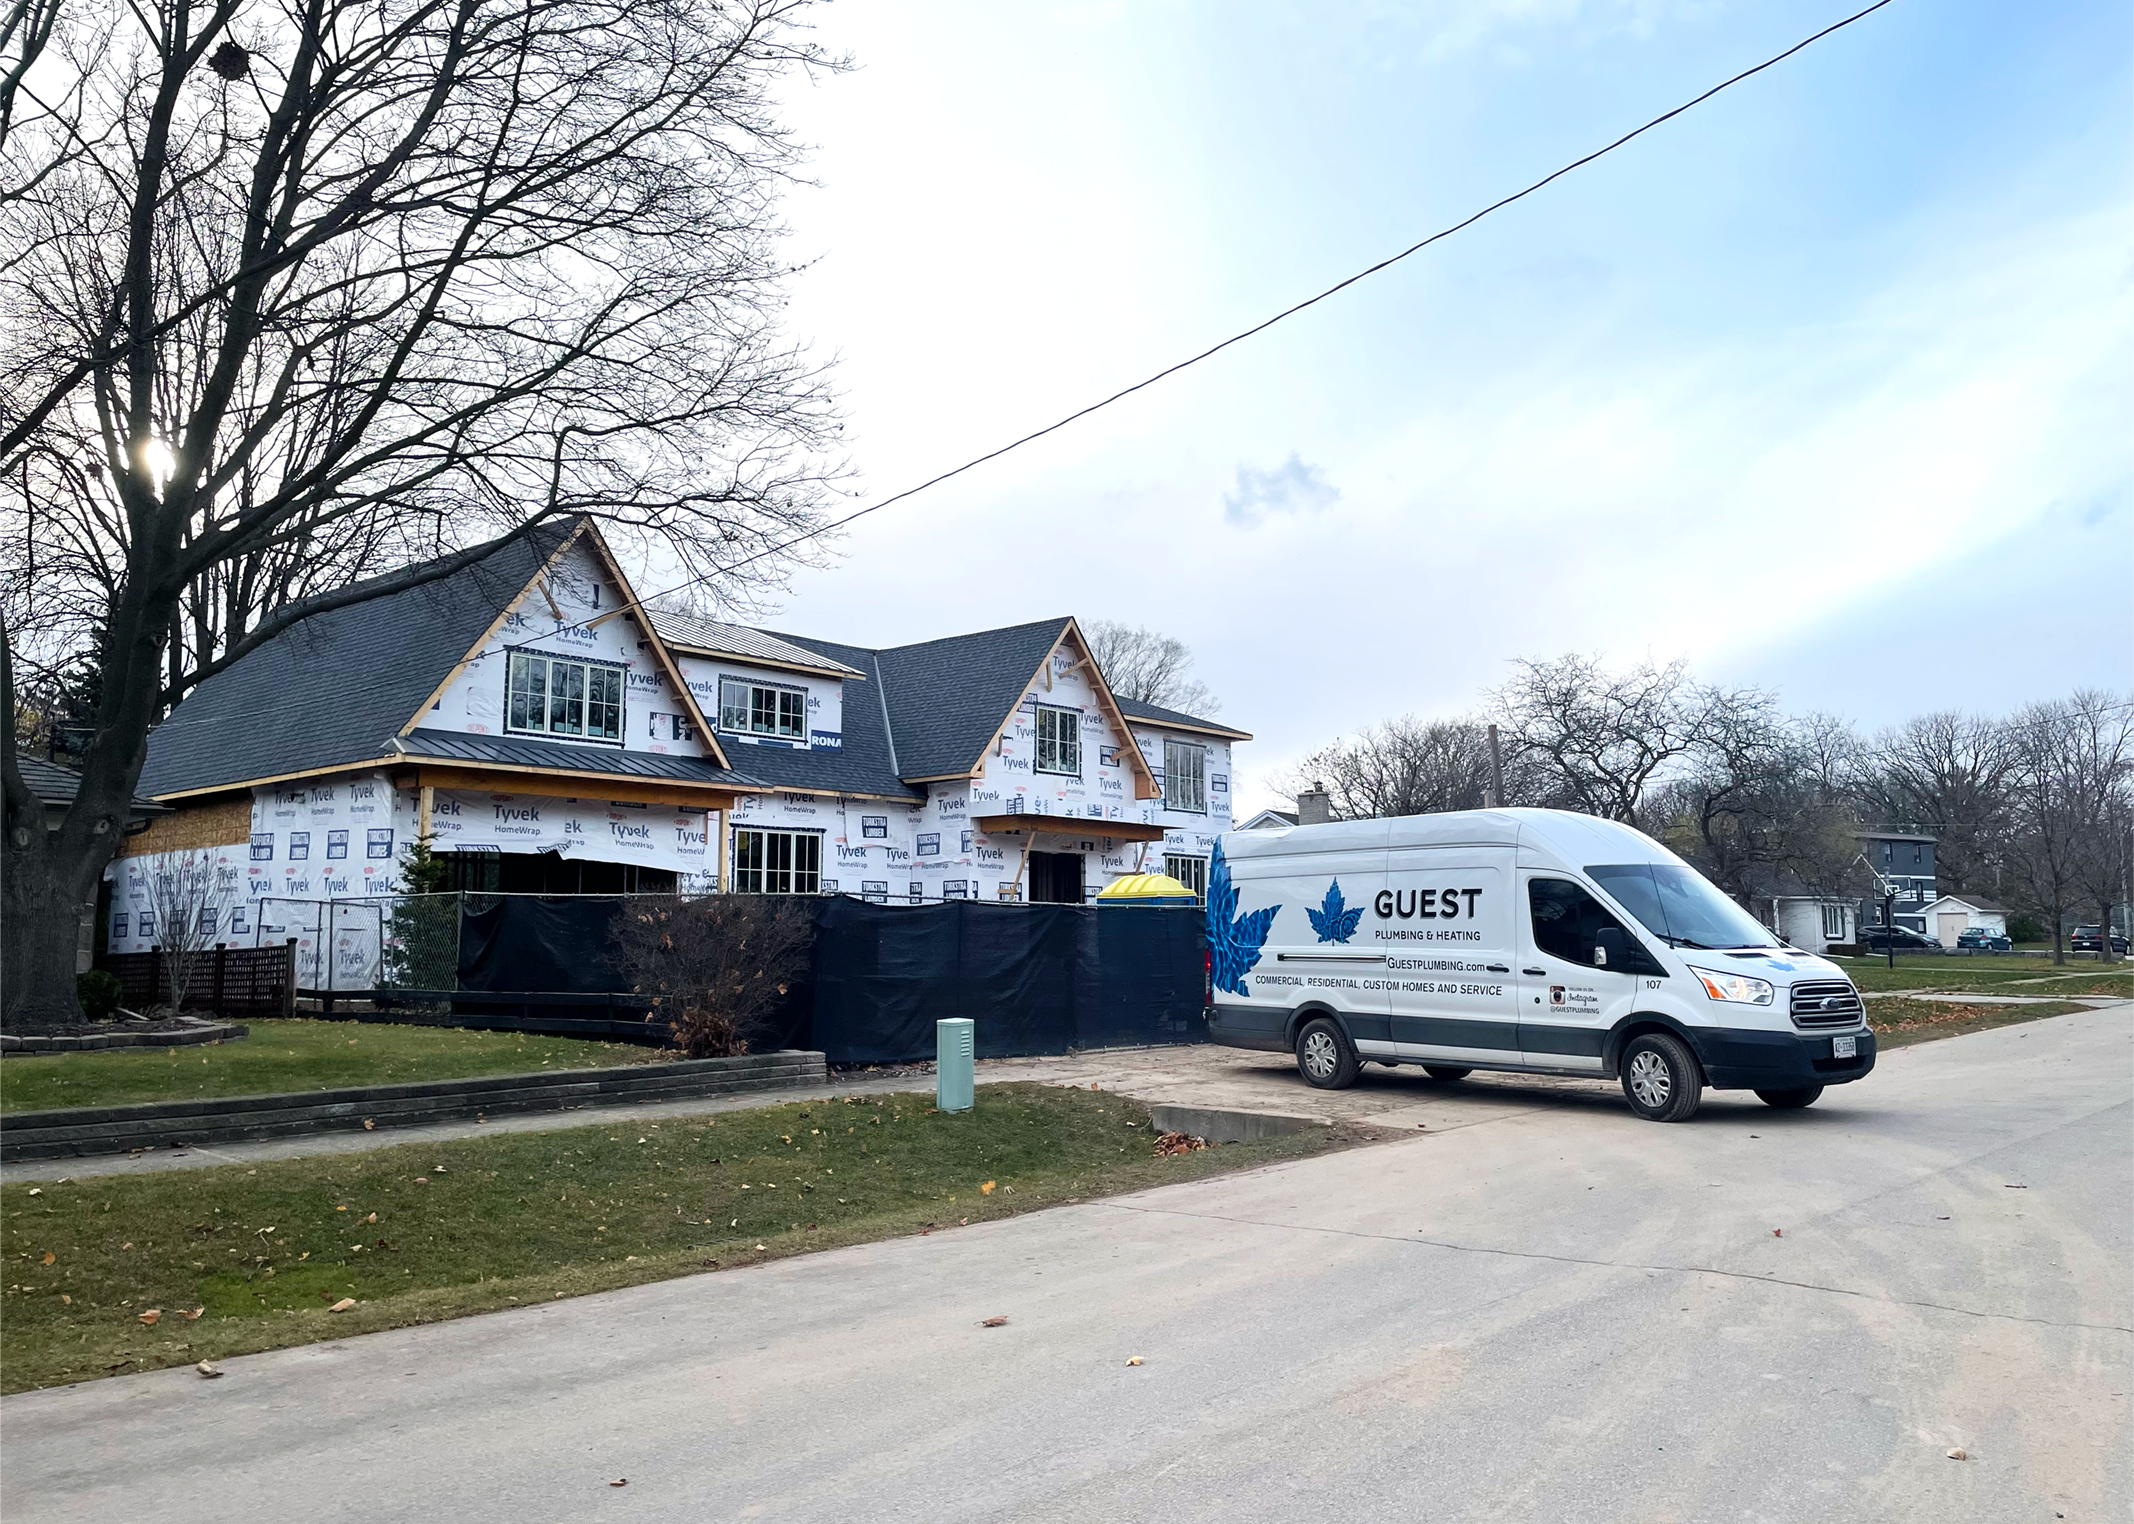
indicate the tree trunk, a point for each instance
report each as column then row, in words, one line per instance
column 2104, row 933
column 43, row 905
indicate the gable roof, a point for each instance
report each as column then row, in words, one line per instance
column 947, row 699
column 334, row 689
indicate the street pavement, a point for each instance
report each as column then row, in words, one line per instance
column 1559, row 1313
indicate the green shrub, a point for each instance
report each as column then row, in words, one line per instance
column 99, row 993
column 2028, row 928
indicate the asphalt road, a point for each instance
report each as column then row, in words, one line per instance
column 1562, row 1314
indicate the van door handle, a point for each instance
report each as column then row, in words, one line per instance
column 1496, row 968
column 1538, row 972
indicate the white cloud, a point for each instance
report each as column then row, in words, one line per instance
column 1292, row 487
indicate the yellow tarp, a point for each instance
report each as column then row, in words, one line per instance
column 1145, row 886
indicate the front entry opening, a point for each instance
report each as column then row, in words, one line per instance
column 1056, row 878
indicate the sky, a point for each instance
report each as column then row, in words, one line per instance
column 1824, row 386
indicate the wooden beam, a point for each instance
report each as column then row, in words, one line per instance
column 557, row 784
column 1057, row 825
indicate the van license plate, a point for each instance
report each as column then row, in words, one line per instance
column 1844, row 1047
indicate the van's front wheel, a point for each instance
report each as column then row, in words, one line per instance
column 1325, row 1056
column 1661, row 1079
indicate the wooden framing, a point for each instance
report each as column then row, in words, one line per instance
column 1035, row 826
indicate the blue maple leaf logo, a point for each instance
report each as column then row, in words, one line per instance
column 1234, row 940
column 1330, row 920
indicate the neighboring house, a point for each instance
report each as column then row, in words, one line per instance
column 1902, row 863
column 55, row 788
column 1813, row 918
column 1270, row 820
column 522, row 716
column 1948, row 917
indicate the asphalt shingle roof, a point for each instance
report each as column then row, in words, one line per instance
column 738, row 640
column 335, row 688
column 1134, row 709
column 56, row 786
column 946, row 698
column 456, row 746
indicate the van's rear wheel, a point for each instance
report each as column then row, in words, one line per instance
column 1325, row 1056
column 1661, row 1078
column 1790, row 1100
column 1445, row 1072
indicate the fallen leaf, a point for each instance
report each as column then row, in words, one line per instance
column 343, row 1305
column 372, row 1218
column 369, row 1125
column 153, row 1315
column 50, row 1257
column 993, row 1323
column 208, row 1369
column 1958, row 1454
column 35, row 1191
column 1778, row 1232
column 1134, row 1359
column 65, row 1300
column 986, row 1189
column 193, row 1316
column 123, row 1247
column 620, row 1481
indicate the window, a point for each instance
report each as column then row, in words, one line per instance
column 1680, row 905
column 1888, row 852
column 1185, row 777
column 777, row 862
column 1190, row 871
column 554, row 697
column 757, row 709
column 1833, row 923
column 1059, row 741
column 1917, row 854
column 1571, row 924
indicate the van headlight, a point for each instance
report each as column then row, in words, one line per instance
column 1738, row 988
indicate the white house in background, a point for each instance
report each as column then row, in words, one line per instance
column 1271, row 820
column 1814, row 923
column 1950, row 916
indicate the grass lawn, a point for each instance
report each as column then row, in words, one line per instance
column 2009, row 974
column 1900, row 1023
column 421, row 1232
column 293, row 1055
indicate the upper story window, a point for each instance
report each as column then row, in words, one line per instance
column 1888, row 852
column 1918, row 854
column 556, row 696
column 1185, row 777
column 1059, row 741
column 760, row 709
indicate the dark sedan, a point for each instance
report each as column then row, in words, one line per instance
column 1902, row 938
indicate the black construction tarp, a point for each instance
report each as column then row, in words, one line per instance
column 1034, row 978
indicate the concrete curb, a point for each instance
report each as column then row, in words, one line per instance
column 87, row 1130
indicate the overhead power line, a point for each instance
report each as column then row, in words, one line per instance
column 1287, row 312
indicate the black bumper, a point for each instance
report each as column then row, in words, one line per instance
column 1779, row 1060
column 1245, row 1027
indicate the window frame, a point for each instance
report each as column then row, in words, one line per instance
column 1834, row 933
column 771, row 876
column 600, row 686
column 1198, row 881
column 1062, row 751
column 750, row 688
column 1171, row 749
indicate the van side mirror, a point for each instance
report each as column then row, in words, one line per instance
column 1611, row 944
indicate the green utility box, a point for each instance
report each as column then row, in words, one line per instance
column 955, row 1059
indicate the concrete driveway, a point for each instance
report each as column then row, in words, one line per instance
column 1561, row 1314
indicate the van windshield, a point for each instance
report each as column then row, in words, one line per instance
column 1681, row 906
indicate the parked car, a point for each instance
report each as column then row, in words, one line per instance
column 1982, row 939
column 2090, row 939
column 1903, row 938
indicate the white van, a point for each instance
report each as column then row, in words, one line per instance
column 1533, row 941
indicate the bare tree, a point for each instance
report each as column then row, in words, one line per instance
column 1149, row 668
column 2069, row 766
column 290, row 295
column 716, row 967
column 1603, row 738
column 1412, row 766
column 1946, row 774
column 185, row 898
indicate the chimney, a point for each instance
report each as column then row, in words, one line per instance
column 1313, row 807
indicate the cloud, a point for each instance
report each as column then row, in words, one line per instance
column 1292, row 487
